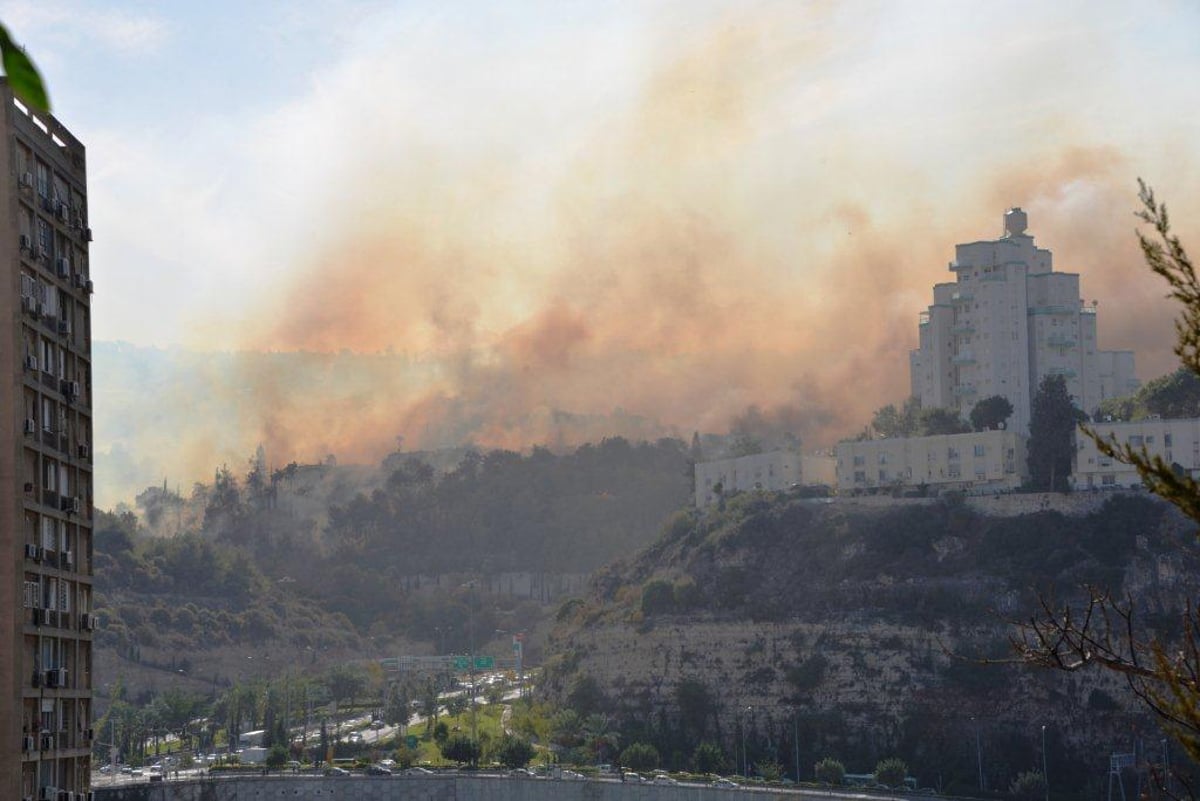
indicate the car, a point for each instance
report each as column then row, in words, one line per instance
column 663, row 778
column 418, row 771
column 635, row 778
column 573, row 776
column 336, row 771
column 126, row 769
column 136, row 772
column 723, row 782
column 378, row 770
column 293, row 765
column 522, row 773
column 377, row 725
column 106, row 769
column 388, row 763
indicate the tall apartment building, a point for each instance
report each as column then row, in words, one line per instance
column 1005, row 322
column 45, row 461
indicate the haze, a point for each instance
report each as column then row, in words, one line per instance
column 568, row 220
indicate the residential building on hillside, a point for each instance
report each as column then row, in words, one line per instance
column 1176, row 441
column 1004, row 323
column 980, row 461
column 776, row 470
column 45, row 461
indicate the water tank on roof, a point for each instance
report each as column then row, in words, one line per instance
column 1015, row 222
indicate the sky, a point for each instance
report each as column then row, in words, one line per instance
column 563, row 220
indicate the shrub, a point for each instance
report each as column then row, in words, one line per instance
column 891, row 772
column 640, row 756
column 658, row 597
column 1029, row 785
column 830, row 771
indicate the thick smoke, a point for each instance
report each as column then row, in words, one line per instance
column 732, row 230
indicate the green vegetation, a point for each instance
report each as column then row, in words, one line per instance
column 830, row 771
column 1052, row 422
column 913, row 421
column 1173, row 396
column 991, row 413
column 640, row 757
column 891, row 772
column 22, row 75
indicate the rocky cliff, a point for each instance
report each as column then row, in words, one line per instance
column 856, row 631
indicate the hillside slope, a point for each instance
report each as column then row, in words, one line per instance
column 840, row 625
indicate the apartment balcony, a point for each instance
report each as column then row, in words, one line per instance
column 964, row 390
column 1054, row 309
column 963, row 358
column 962, row 297
column 1066, row 372
column 1060, row 341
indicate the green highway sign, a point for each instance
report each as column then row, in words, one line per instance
column 484, row 662
column 461, row 663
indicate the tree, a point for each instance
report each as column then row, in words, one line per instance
column 933, row 422
column 891, row 772
column 991, row 413
column 1161, row 668
column 640, row 756
column 892, row 422
column 658, row 597
column 461, row 748
column 1030, row 785
column 514, row 752
column 830, row 771
column 709, row 758
column 1052, row 421
column 277, row 757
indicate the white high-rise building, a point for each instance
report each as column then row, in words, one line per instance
column 1005, row 322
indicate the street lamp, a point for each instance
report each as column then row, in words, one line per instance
column 978, row 752
column 745, row 753
column 1045, row 775
column 796, row 739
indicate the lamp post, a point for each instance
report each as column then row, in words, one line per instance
column 796, row 738
column 1045, row 775
column 745, row 753
column 978, row 753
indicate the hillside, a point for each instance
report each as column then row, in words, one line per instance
column 309, row 565
column 842, row 625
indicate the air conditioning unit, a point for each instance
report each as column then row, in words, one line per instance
column 28, row 743
column 26, row 179
column 29, row 486
column 31, row 363
column 30, row 425
column 63, row 267
column 28, row 304
column 64, row 327
column 47, row 205
column 62, row 677
column 47, row 741
column 73, row 389
column 87, row 234
column 86, row 622
column 26, row 242
column 71, row 504
column 84, row 452
column 90, row 288
column 31, row 550
column 63, row 211
column 77, row 280
column 68, row 560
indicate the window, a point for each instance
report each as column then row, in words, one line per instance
column 883, row 458
column 980, row 450
column 860, row 477
column 43, row 179
column 1167, row 440
column 859, row 460
column 952, row 453
column 953, row 471
column 1108, row 481
column 1135, row 440
column 883, row 476
column 1149, row 439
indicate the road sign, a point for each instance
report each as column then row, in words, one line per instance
column 462, row 663
column 485, row 662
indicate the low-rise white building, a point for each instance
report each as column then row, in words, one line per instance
column 980, row 461
column 1176, row 441
column 776, row 470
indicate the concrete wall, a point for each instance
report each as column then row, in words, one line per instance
column 412, row 788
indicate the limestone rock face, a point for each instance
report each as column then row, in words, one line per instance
column 857, row 629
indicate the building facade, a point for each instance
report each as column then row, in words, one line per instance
column 980, row 461
column 45, row 460
column 1177, row 442
column 1004, row 323
column 776, row 470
